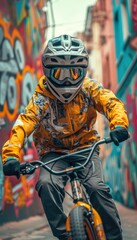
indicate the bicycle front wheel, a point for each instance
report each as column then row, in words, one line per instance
column 81, row 228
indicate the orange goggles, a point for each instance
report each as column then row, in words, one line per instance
column 62, row 73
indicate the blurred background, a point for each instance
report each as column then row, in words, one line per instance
column 109, row 32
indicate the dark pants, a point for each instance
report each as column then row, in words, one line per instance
column 52, row 196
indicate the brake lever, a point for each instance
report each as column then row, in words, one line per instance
column 27, row 168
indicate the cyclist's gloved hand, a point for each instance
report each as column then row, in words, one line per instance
column 12, row 167
column 119, row 134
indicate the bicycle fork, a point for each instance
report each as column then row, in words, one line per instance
column 79, row 194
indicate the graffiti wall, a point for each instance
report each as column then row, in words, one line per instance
column 22, row 35
column 120, row 167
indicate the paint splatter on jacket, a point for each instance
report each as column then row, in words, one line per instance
column 64, row 127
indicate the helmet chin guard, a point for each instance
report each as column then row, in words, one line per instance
column 65, row 94
column 65, row 62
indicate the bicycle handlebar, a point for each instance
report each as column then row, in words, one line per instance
column 30, row 167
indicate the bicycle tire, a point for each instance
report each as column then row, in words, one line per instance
column 81, row 228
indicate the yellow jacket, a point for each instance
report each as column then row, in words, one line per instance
column 64, row 127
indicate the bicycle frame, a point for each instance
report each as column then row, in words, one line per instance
column 77, row 188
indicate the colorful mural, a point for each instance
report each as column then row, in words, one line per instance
column 134, row 14
column 22, row 35
column 120, row 167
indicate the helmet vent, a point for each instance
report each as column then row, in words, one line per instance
column 80, row 60
column 57, row 43
column 53, row 60
column 66, row 95
column 72, row 57
column 66, row 37
column 62, row 57
column 75, row 44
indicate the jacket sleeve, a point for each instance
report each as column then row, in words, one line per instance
column 109, row 105
column 23, row 127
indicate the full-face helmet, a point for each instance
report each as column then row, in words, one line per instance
column 65, row 62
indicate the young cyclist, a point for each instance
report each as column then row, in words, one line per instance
column 61, row 115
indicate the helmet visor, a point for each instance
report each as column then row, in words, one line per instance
column 62, row 73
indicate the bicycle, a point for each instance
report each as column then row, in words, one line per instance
column 83, row 221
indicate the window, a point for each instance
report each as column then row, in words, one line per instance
column 124, row 22
column 106, row 73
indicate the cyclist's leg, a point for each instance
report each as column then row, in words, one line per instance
column 101, row 198
column 52, row 195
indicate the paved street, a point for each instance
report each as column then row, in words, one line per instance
column 37, row 227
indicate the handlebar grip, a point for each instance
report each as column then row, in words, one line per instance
column 108, row 140
column 22, row 166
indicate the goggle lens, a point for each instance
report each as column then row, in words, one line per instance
column 61, row 73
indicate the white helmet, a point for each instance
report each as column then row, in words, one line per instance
column 65, row 62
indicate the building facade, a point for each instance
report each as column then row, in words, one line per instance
column 122, row 161
column 113, row 33
column 22, row 35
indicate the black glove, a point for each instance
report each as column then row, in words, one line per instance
column 12, row 167
column 119, row 134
